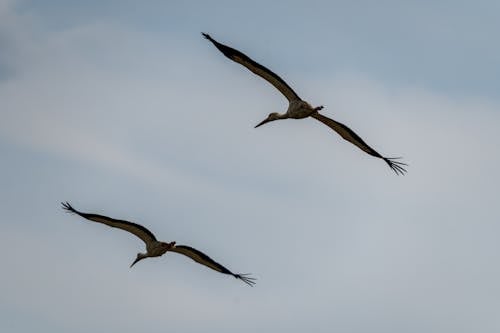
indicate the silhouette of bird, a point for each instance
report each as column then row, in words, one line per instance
column 155, row 248
column 298, row 108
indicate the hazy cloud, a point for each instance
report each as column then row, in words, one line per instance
column 134, row 122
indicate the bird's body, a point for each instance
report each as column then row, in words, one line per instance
column 155, row 248
column 298, row 108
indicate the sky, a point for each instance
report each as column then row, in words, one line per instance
column 123, row 109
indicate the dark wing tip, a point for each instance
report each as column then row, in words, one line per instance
column 66, row 206
column 396, row 166
column 246, row 278
column 207, row 36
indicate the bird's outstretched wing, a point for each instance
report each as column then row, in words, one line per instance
column 138, row 230
column 255, row 67
column 349, row 135
column 203, row 259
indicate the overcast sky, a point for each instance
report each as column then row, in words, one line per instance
column 123, row 109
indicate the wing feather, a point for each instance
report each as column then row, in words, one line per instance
column 203, row 259
column 256, row 68
column 349, row 135
column 134, row 228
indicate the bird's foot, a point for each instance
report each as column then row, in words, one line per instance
column 318, row 108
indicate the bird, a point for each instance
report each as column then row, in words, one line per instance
column 155, row 248
column 298, row 108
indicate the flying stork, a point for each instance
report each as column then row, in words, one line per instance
column 298, row 108
column 155, row 248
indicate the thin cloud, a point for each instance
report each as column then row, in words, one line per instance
column 336, row 240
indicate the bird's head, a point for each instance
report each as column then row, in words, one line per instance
column 140, row 256
column 271, row 117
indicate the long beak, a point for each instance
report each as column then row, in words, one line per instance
column 136, row 260
column 263, row 122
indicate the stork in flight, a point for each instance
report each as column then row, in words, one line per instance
column 297, row 108
column 155, row 248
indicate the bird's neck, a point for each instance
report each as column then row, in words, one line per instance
column 282, row 116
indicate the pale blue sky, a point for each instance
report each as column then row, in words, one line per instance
column 123, row 109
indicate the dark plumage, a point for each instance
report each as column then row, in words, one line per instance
column 156, row 248
column 298, row 108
